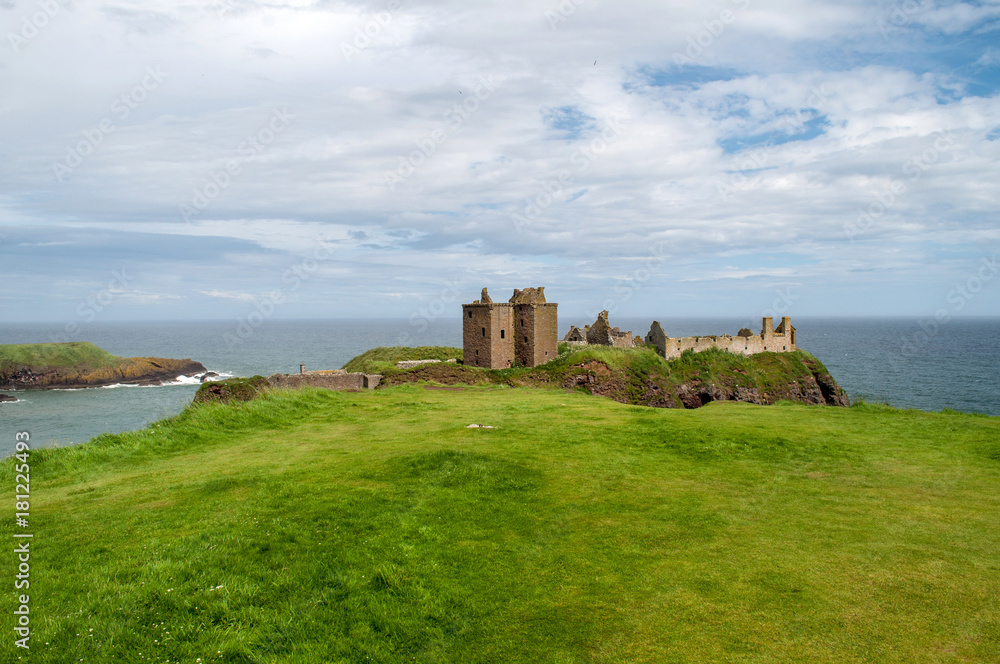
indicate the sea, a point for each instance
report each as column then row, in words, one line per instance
column 907, row 363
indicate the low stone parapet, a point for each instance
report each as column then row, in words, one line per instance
column 333, row 380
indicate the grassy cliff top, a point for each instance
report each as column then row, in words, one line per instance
column 632, row 375
column 641, row 360
column 70, row 354
column 384, row 358
column 319, row 526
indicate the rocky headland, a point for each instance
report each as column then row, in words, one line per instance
column 82, row 364
column 634, row 376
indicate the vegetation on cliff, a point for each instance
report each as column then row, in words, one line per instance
column 232, row 389
column 319, row 526
column 82, row 364
column 384, row 358
column 640, row 376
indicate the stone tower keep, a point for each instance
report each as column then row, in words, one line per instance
column 498, row 334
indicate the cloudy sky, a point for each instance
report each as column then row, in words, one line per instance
column 190, row 160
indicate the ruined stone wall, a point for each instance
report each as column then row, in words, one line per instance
column 599, row 334
column 769, row 340
column 487, row 331
column 330, row 381
column 621, row 339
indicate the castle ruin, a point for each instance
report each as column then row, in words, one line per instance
column 770, row 340
column 601, row 334
column 524, row 330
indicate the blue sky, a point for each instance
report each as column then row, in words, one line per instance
column 193, row 160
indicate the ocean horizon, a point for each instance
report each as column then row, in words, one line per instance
column 905, row 362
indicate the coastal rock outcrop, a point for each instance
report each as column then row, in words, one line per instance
column 82, row 364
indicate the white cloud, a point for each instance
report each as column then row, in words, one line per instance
column 669, row 176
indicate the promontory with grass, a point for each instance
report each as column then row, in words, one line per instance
column 82, row 364
column 475, row 522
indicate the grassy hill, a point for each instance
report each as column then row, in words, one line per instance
column 318, row 526
column 70, row 354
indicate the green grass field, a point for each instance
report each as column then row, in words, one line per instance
column 319, row 526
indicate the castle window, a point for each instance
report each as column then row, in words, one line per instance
column 484, row 331
column 502, row 333
column 470, row 314
column 526, row 340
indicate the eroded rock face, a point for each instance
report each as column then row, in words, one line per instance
column 597, row 378
column 833, row 394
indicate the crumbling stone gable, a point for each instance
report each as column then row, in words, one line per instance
column 528, row 296
column 656, row 336
column 602, row 334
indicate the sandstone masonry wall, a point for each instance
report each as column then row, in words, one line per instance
column 339, row 380
column 769, row 340
column 487, row 331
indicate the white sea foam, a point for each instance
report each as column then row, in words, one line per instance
column 196, row 380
